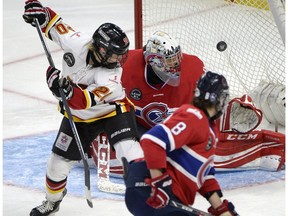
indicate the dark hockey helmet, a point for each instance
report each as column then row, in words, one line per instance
column 111, row 45
column 212, row 90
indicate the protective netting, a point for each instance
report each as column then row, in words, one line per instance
column 255, row 50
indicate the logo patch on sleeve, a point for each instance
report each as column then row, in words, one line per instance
column 136, row 94
column 69, row 59
column 63, row 142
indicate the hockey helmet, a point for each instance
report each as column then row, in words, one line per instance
column 164, row 55
column 212, row 90
column 111, row 45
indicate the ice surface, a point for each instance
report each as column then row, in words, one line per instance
column 31, row 119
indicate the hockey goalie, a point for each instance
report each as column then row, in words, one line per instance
column 241, row 145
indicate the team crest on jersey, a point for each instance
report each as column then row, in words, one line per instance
column 69, row 59
column 136, row 94
column 154, row 113
column 209, row 144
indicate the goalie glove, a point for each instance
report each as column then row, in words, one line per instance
column 160, row 190
column 54, row 83
column 241, row 115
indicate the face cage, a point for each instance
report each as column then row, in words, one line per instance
column 111, row 59
column 170, row 65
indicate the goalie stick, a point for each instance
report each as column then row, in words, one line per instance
column 73, row 127
column 103, row 167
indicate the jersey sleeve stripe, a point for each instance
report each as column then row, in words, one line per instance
column 154, row 140
column 171, row 142
column 51, row 24
column 88, row 98
column 162, row 136
column 182, row 160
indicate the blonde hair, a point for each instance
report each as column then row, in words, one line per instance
column 90, row 46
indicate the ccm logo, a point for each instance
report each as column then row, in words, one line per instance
column 242, row 136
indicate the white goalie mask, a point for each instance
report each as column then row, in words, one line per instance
column 164, row 55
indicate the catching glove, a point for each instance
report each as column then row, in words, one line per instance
column 34, row 9
column 241, row 115
column 55, row 82
column 224, row 207
column 161, row 187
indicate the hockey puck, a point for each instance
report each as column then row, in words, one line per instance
column 221, row 46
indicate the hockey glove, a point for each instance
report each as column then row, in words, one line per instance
column 224, row 207
column 161, row 187
column 34, row 9
column 55, row 82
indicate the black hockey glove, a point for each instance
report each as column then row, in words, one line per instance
column 224, row 207
column 34, row 9
column 55, row 82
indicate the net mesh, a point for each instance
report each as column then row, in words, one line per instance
column 255, row 50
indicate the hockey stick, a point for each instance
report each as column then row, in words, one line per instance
column 190, row 209
column 73, row 127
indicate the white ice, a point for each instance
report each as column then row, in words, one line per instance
column 29, row 108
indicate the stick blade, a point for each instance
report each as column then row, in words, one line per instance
column 88, row 197
column 110, row 187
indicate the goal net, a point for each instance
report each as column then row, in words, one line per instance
column 255, row 48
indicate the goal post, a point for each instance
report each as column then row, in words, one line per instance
column 138, row 24
column 253, row 30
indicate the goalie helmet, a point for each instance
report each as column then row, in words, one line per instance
column 110, row 45
column 212, row 90
column 164, row 55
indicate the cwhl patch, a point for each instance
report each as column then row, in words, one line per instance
column 136, row 94
column 69, row 59
column 63, row 141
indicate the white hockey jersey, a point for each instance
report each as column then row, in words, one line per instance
column 98, row 90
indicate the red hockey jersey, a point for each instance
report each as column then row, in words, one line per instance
column 184, row 145
column 154, row 105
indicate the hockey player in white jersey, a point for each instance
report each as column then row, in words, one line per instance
column 91, row 82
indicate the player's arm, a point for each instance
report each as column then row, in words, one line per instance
column 76, row 97
column 212, row 192
column 221, row 208
column 84, row 98
column 53, row 26
column 154, row 144
column 55, row 82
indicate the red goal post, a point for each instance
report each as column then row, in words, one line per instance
column 255, row 48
